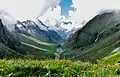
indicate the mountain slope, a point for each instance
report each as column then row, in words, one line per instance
column 26, row 38
column 112, row 59
column 36, row 48
column 8, row 43
column 32, row 29
column 8, row 38
column 96, row 39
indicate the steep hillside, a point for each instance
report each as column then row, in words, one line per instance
column 97, row 39
column 7, row 37
column 8, row 43
column 16, row 45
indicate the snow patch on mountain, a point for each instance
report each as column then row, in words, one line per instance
column 41, row 25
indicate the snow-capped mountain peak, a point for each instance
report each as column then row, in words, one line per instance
column 41, row 25
column 28, row 23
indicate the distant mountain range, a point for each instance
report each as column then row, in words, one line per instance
column 20, row 38
column 99, row 38
column 29, row 38
column 50, row 33
column 30, row 28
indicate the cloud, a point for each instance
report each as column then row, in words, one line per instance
column 49, row 4
column 50, row 10
column 52, row 16
column 87, row 9
column 26, row 9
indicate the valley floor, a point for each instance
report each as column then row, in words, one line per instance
column 57, row 68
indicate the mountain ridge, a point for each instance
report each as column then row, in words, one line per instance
column 85, row 43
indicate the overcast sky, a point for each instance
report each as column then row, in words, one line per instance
column 30, row 9
column 26, row 9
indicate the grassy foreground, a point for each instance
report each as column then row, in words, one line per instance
column 56, row 68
